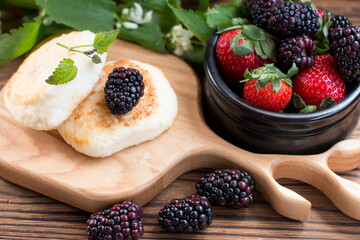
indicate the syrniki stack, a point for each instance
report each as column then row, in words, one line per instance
column 34, row 103
column 93, row 130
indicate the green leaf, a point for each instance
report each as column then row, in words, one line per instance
column 245, row 48
column 297, row 102
column 240, row 4
column 204, row 5
column 147, row 35
column 263, row 80
column 96, row 59
column 292, row 71
column 195, row 22
column 19, row 41
column 270, row 69
column 280, row 74
column 221, row 14
column 269, row 48
column 259, row 50
column 104, row 39
column 254, row 33
column 65, row 72
column 22, row 3
column 235, row 40
column 322, row 46
column 94, row 15
column 247, row 75
column 308, row 109
column 276, row 85
column 196, row 56
column 326, row 103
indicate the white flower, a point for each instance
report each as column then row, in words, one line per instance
column 130, row 25
column 136, row 13
column 180, row 39
column 132, row 17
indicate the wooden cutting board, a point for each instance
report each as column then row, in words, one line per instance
column 43, row 162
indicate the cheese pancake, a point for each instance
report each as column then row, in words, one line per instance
column 34, row 103
column 93, row 130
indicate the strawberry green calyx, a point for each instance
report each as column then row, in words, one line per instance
column 270, row 73
column 254, row 39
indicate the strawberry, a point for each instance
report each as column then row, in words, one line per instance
column 268, row 88
column 320, row 12
column 322, row 80
column 236, row 52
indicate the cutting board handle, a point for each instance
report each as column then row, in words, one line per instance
column 315, row 170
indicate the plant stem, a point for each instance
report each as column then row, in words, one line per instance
column 82, row 46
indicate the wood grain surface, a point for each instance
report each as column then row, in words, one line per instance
column 28, row 215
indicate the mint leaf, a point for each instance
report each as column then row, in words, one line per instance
column 19, row 41
column 221, row 14
column 65, row 72
column 195, row 22
column 104, row 39
column 94, row 15
column 147, row 35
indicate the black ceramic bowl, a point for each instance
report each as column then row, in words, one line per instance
column 262, row 131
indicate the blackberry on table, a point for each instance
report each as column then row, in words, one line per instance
column 227, row 187
column 186, row 215
column 123, row 90
column 121, row 221
column 345, row 45
column 284, row 17
column 300, row 50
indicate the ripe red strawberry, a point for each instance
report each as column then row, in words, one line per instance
column 321, row 13
column 233, row 67
column 268, row 88
column 320, row 81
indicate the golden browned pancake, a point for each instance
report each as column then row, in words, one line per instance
column 93, row 130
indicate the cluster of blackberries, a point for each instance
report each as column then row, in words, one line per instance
column 191, row 214
column 225, row 187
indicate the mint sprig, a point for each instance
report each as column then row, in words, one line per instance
column 67, row 71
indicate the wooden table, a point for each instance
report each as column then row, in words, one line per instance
column 29, row 215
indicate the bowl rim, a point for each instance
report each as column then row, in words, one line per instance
column 213, row 74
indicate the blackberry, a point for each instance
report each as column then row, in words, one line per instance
column 340, row 22
column 186, row 215
column 345, row 45
column 227, row 187
column 121, row 221
column 123, row 90
column 285, row 18
column 300, row 50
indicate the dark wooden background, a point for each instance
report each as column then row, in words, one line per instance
column 25, row 214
